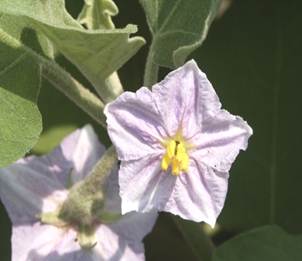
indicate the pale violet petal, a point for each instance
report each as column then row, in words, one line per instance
column 220, row 141
column 47, row 243
column 134, row 125
column 143, row 185
column 42, row 243
column 38, row 184
column 198, row 195
column 26, row 192
column 134, row 226
column 80, row 150
column 72, row 159
column 111, row 246
column 185, row 98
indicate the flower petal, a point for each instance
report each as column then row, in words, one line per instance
column 38, row 184
column 198, row 195
column 221, row 140
column 111, row 246
column 185, row 98
column 80, row 151
column 132, row 226
column 143, row 185
column 42, row 243
column 134, row 124
column 135, row 226
column 26, row 192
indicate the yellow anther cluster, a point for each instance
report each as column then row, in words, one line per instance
column 176, row 156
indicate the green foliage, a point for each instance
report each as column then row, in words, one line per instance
column 96, row 14
column 252, row 56
column 20, row 80
column 268, row 243
column 166, row 242
column 254, row 65
column 20, row 120
column 97, row 53
column 178, row 27
column 196, row 238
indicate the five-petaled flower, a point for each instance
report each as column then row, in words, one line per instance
column 176, row 146
column 37, row 185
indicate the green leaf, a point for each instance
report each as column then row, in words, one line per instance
column 268, row 243
column 256, row 72
column 178, row 27
column 96, row 14
column 20, row 119
column 17, row 28
column 196, row 238
column 166, row 242
column 96, row 53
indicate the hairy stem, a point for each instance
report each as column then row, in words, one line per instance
column 151, row 69
column 110, row 88
column 75, row 91
column 62, row 80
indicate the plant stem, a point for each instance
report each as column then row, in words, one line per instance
column 151, row 69
column 62, row 80
column 74, row 90
column 110, row 88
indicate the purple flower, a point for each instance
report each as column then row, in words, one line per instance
column 176, row 146
column 38, row 185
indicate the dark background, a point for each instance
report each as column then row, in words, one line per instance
column 253, row 58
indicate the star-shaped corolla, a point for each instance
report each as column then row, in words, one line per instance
column 38, row 185
column 176, row 146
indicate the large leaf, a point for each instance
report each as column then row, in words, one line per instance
column 178, row 27
column 196, row 238
column 96, row 14
column 253, row 58
column 268, row 243
column 165, row 242
column 97, row 53
column 20, row 120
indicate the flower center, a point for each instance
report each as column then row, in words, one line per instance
column 176, row 156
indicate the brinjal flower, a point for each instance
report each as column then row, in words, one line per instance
column 176, row 146
column 33, row 189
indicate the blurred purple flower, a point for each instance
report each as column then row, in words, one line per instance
column 38, row 185
column 176, row 146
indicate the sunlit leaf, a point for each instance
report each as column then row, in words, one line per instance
column 97, row 53
column 96, row 14
column 20, row 119
column 178, row 27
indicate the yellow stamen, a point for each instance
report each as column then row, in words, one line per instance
column 176, row 156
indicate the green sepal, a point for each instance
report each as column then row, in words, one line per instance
column 86, row 199
column 86, row 237
column 52, row 218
